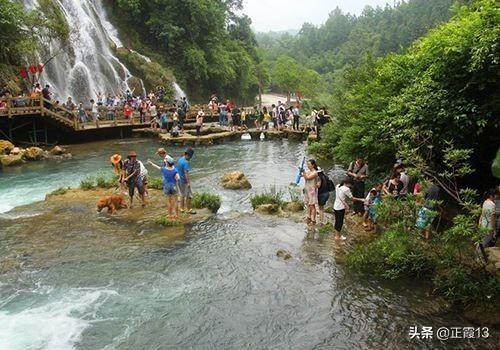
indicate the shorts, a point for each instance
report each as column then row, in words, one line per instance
column 185, row 191
column 323, row 198
column 133, row 184
column 170, row 190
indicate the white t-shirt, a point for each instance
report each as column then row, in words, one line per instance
column 94, row 108
column 341, row 195
column 488, row 210
column 143, row 172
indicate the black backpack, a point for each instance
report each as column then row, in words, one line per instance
column 327, row 184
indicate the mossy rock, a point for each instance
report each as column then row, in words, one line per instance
column 268, row 208
column 6, row 146
column 11, row 159
column 34, row 153
column 57, row 151
column 235, row 180
column 294, row 206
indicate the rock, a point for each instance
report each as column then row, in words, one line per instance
column 11, row 159
column 15, row 151
column 294, row 207
column 34, row 153
column 57, row 151
column 235, row 180
column 284, row 254
column 6, row 146
column 493, row 265
column 268, row 208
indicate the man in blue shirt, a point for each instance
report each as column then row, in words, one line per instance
column 183, row 169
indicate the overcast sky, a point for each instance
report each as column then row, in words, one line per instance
column 292, row 13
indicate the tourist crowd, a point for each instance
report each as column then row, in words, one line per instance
column 398, row 185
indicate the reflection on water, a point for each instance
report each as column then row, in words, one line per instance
column 69, row 281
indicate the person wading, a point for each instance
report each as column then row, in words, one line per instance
column 311, row 189
column 183, row 169
column 340, row 206
column 131, row 176
column 358, row 172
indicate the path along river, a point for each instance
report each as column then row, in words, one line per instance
column 88, row 282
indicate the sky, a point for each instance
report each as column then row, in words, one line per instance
column 278, row 15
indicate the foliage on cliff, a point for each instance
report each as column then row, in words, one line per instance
column 210, row 48
column 429, row 105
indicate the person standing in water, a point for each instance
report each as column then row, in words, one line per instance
column 358, row 172
column 311, row 189
column 131, row 175
column 340, row 206
column 170, row 182
column 184, row 168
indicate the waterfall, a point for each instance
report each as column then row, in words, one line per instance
column 87, row 64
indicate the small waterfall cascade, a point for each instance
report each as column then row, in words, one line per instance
column 87, row 64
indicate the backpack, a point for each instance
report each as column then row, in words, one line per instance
column 326, row 183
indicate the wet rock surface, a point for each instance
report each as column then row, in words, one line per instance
column 235, row 180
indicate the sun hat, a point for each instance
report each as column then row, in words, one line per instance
column 169, row 160
column 161, row 151
column 132, row 154
column 115, row 158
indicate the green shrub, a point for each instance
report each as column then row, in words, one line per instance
column 104, row 180
column 272, row 196
column 155, row 182
column 60, row 191
column 206, row 200
column 326, row 229
column 87, row 183
column 164, row 221
column 394, row 254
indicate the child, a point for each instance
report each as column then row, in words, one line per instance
column 175, row 131
column 170, row 183
column 377, row 188
column 371, row 213
column 199, row 122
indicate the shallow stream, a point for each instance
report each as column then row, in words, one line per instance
column 74, row 280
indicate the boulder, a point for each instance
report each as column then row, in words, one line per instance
column 283, row 254
column 235, row 180
column 11, row 159
column 268, row 208
column 6, row 146
column 34, row 153
column 15, row 151
column 57, row 151
column 493, row 265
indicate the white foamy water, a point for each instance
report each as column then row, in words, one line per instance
column 55, row 325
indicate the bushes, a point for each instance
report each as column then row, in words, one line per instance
column 60, row 191
column 271, row 196
column 206, row 200
column 164, row 221
column 101, row 180
column 106, row 181
column 87, row 183
column 155, row 183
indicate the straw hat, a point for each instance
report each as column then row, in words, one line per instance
column 115, row 158
column 161, row 151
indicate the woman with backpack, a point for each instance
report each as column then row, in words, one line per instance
column 311, row 178
column 325, row 186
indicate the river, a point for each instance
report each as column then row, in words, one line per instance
column 91, row 282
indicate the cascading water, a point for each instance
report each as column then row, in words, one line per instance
column 86, row 64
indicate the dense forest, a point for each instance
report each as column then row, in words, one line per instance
column 207, row 44
column 346, row 40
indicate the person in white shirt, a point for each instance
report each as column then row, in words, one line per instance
column 340, row 206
